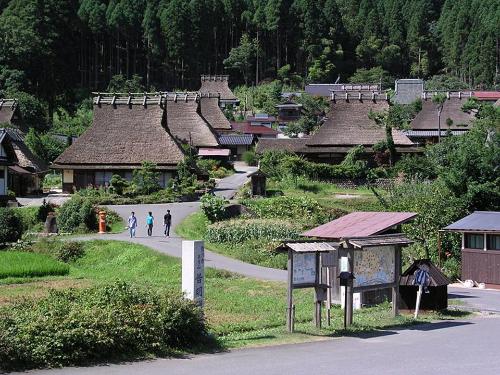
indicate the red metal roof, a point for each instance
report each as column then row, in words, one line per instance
column 246, row 128
column 487, row 95
column 360, row 224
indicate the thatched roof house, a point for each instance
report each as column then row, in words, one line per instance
column 348, row 124
column 424, row 126
column 213, row 84
column 7, row 158
column 185, row 122
column 211, row 112
column 125, row 132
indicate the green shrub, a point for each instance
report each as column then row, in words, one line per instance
column 77, row 214
column 66, row 251
column 250, row 157
column 11, row 227
column 23, row 264
column 118, row 184
column 52, row 180
column 299, row 209
column 69, row 251
column 75, row 327
column 213, row 207
column 248, row 229
column 207, row 165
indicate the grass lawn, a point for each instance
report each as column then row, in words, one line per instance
column 21, row 264
column 239, row 310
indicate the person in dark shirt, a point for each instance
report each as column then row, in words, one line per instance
column 167, row 221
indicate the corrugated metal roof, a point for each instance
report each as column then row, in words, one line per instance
column 214, row 152
column 310, row 247
column 477, row 221
column 235, row 139
column 437, row 278
column 359, row 224
column 383, row 240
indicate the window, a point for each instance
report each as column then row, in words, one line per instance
column 2, row 174
column 474, row 241
column 101, row 178
column 493, row 241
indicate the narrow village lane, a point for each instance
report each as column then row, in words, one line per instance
column 172, row 245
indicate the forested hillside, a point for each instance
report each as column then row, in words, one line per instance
column 51, row 48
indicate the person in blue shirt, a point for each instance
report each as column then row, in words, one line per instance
column 149, row 222
column 132, row 224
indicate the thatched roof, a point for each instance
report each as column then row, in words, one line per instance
column 7, row 110
column 347, row 124
column 427, row 118
column 212, row 113
column 124, row 136
column 25, row 158
column 6, row 143
column 299, row 146
column 217, row 84
column 185, row 123
column 295, row 145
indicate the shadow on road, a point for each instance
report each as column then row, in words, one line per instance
column 459, row 296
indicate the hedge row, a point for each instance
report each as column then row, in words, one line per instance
column 250, row 229
column 75, row 327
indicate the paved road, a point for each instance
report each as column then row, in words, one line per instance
column 172, row 245
column 228, row 186
column 477, row 299
column 444, row 348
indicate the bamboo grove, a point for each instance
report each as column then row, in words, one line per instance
column 49, row 48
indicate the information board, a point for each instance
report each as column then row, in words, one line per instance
column 304, row 268
column 374, row 266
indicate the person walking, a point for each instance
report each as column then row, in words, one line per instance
column 167, row 221
column 132, row 224
column 150, row 222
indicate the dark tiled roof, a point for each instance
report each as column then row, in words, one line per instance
column 212, row 113
column 477, row 221
column 427, row 118
column 235, row 139
column 246, row 128
column 347, row 124
column 213, row 84
column 186, row 124
column 124, row 135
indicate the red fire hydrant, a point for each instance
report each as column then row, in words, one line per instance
column 102, row 222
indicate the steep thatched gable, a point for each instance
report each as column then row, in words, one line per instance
column 212, row 113
column 217, row 85
column 125, row 132
column 184, row 120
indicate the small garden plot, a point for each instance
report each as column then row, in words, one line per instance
column 21, row 264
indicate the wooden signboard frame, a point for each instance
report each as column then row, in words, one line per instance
column 348, row 249
column 320, row 288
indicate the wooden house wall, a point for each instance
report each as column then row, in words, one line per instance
column 481, row 266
